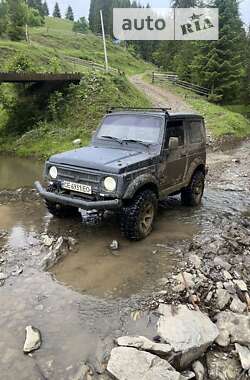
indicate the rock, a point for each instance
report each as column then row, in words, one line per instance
column 3, row 276
column 77, row 142
column 195, row 260
column 180, row 284
column 222, row 367
column 223, row 298
column 189, row 332
column 188, row 375
column 58, row 245
column 82, row 373
column 17, row 271
column 233, row 328
column 241, row 285
column 237, row 306
column 244, row 354
column 142, row 343
column 48, row 241
column 219, row 262
column 127, row 363
column 199, row 370
column 227, row 276
column 114, row 245
column 33, row 340
column 209, row 297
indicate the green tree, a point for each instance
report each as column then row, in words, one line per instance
column 219, row 64
column 45, row 9
column 17, row 18
column 81, row 26
column 69, row 14
column 183, row 3
column 3, row 17
column 57, row 12
column 34, row 18
column 246, row 81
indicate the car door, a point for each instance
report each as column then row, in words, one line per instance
column 174, row 162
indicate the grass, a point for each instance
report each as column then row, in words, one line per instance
column 39, row 123
column 220, row 120
column 73, row 115
column 57, row 40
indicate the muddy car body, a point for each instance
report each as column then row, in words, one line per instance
column 136, row 159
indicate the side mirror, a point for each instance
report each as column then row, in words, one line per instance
column 173, row 143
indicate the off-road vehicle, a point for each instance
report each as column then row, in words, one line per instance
column 137, row 158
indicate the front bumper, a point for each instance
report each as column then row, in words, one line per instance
column 79, row 203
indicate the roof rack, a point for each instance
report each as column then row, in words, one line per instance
column 157, row 109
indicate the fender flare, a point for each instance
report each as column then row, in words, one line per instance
column 138, row 183
column 193, row 167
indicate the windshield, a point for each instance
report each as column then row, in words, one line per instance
column 131, row 128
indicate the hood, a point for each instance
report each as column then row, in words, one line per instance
column 104, row 159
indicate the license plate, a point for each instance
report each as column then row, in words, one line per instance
column 77, row 187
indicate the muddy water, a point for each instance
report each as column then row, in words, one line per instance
column 18, row 172
column 89, row 296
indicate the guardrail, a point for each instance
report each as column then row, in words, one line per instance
column 90, row 64
column 174, row 79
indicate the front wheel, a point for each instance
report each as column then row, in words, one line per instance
column 192, row 195
column 138, row 216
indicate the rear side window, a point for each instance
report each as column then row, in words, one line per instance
column 175, row 128
column 196, row 131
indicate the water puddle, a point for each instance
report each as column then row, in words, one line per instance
column 19, row 172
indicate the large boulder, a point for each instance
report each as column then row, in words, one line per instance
column 189, row 332
column 233, row 328
column 127, row 363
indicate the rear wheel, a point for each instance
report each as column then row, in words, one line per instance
column 192, row 195
column 138, row 216
column 61, row 211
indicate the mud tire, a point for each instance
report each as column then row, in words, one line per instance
column 192, row 195
column 139, row 212
column 60, row 211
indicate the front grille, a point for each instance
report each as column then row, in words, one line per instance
column 86, row 177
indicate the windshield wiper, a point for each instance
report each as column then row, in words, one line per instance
column 137, row 141
column 112, row 138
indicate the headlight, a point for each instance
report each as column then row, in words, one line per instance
column 53, row 172
column 109, row 183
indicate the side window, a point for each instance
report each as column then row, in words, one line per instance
column 175, row 128
column 196, row 131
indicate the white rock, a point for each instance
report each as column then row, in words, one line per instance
column 199, row 370
column 48, row 241
column 237, row 306
column 222, row 298
column 188, row 375
column 227, row 275
column 233, row 328
column 114, row 245
column 195, row 260
column 241, row 285
column 127, row 363
column 77, row 142
column 189, row 332
column 244, row 355
column 218, row 261
column 33, row 340
column 142, row 343
column 81, row 373
column 180, row 283
column 3, row 276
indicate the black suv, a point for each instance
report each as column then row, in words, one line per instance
column 137, row 158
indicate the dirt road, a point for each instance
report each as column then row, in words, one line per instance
column 160, row 97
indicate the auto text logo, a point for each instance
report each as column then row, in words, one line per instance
column 166, row 24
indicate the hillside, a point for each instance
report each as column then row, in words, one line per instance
column 34, row 121
column 55, row 40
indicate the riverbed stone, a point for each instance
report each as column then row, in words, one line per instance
column 142, row 343
column 195, row 260
column 127, row 363
column 237, row 306
column 244, row 355
column 233, row 328
column 199, row 370
column 219, row 261
column 180, row 283
column 222, row 298
column 189, row 332
column 222, row 367
column 33, row 340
